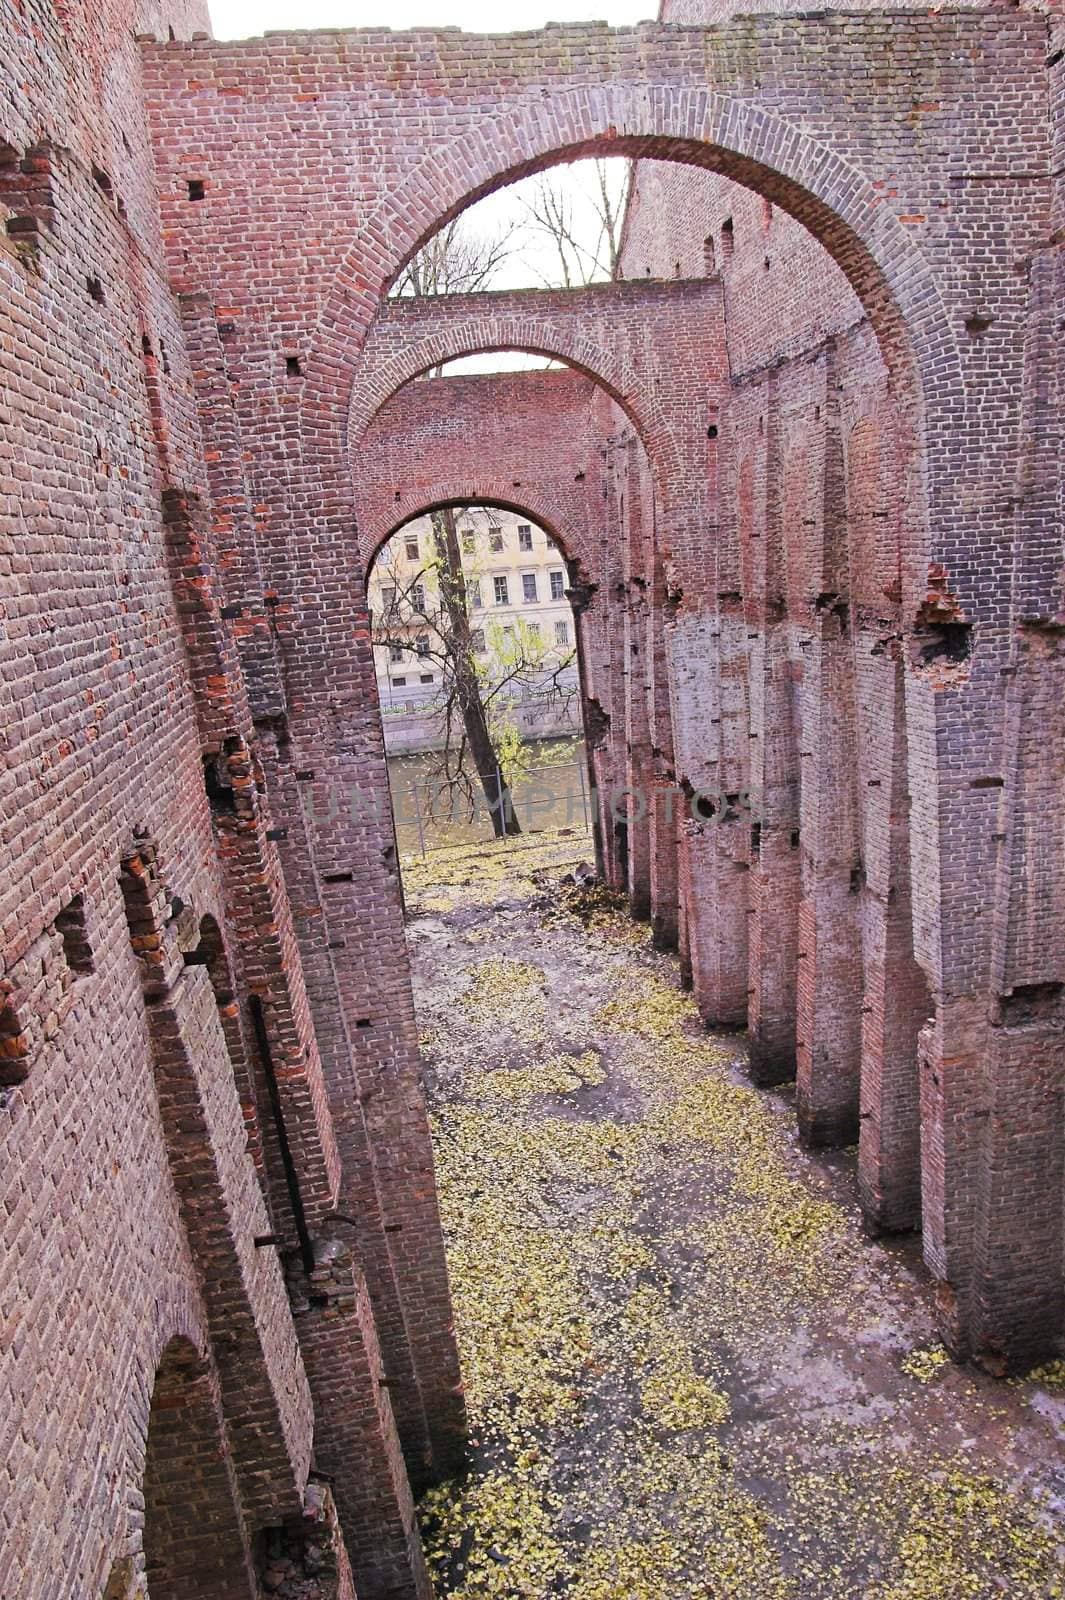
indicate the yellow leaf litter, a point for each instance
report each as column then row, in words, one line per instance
column 689, row 1375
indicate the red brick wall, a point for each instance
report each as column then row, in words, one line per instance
column 523, row 438
column 862, row 568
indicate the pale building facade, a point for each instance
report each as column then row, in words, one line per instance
column 516, row 580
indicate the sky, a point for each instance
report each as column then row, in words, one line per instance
column 239, row 19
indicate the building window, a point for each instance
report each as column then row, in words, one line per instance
column 388, row 597
column 421, row 644
column 398, row 683
column 495, row 539
column 477, row 641
column 558, row 586
column 469, row 541
column 502, row 596
column 417, row 596
column 426, row 677
column 535, row 631
column 508, row 631
column 473, row 593
column 524, row 536
column 562, row 632
column 528, row 588
column 412, row 549
column 395, row 652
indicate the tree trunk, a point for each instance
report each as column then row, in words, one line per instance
column 467, row 688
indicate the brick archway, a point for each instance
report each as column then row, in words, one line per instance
column 743, row 141
column 489, row 330
column 195, row 1538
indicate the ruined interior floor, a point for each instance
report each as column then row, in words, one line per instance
column 689, row 1372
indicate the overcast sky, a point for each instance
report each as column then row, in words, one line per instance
column 238, row 19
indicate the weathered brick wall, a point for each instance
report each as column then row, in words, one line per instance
column 830, row 975
column 849, row 515
column 144, row 1190
column 526, row 439
column 908, row 168
column 100, row 745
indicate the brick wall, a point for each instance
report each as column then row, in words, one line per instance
column 830, row 600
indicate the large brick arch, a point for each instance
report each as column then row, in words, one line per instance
column 534, row 442
column 411, row 337
column 746, row 142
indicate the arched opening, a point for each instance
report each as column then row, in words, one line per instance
column 478, row 673
column 756, row 576
column 196, row 1546
column 583, row 451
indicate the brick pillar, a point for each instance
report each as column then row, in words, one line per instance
column 775, row 867
column 708, row 658
column 357, row 1447
column 359, row 1197
column 1019, row 1247
column 196, row 1541
column 897, row 1002
column 263, row 1385
column 639, row 770
column 829, row 992
column 829, row 997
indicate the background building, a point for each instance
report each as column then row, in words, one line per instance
column 516, row 583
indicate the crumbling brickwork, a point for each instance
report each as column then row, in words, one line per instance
column 820, row 598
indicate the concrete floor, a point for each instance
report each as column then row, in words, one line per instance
column 690, row 1375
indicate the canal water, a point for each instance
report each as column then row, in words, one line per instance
column 553, row 793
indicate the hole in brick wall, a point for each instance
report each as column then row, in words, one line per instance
column 146, row 345
column 163, row 358
column 338, row 877
column 676, row 269
column 709, row 255
column 795, row 838
column 1032, row 1002
column 1056, row 58
column 103, row 182
column 756, row 837
column 24, row 234
column 96, row 290
column 127, row 147
column 364, row 1022
column 711, row 432
column 197, row 189
column 292, row 367
column 977, row 324
column 728, row 238
column 949, row 644
column 72, row 929
column 219, row 793
column 171, row 35
column 765, row 263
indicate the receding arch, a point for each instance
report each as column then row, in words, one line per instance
column 196, row 1545
column 496, row 326
column 738, row 139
